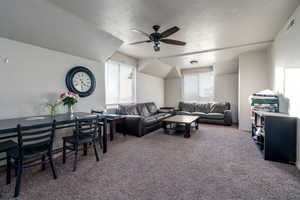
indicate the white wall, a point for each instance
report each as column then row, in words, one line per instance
column 226, row 84
column 33, row 75
column 149, row 88
column 226, row 89
column 285, row 55
column 253, row 77
column 172, row 92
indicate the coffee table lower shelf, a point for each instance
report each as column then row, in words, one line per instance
column 177, row 120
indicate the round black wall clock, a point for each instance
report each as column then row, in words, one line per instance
column 81, row 81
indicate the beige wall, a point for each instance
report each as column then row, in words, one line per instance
column 226, row 89
column 33, row 75
column 253, row 77
column 149, row 88
column 285, row 54
column 226, row 85
column 172, row 91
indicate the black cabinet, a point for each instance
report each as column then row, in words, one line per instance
column 276, row 136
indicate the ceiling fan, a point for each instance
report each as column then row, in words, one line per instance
column 157, row 37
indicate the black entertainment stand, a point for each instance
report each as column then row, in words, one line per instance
column 275, row 134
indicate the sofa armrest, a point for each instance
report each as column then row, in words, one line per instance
column 133, row 125
column 228, row 117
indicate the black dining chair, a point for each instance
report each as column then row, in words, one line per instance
column 85, row 134
column 34, row 143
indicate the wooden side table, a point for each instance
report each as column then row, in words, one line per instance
column 113, row 121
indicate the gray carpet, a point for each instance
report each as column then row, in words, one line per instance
column 215, row 163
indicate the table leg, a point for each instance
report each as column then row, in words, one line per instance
column 112, row 125
column 104, row 142
column 165, row 127
column 197, row 125
column 187, row 131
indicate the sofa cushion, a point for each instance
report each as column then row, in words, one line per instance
column 129, row 109
column 161, row 116
column 142, row 109
column 183, row 113
column 202, row 107
column 150, row 120
column 201, row 114
column 214, row 116
column 151, row 108
column 219, row 108
column 189, row 107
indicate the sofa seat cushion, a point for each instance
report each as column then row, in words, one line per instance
column 183, row 113
column 161, row 116
column 213, row 116
column 201, row 114
column 148, row 121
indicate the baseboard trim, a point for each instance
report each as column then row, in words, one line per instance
column 298, row 165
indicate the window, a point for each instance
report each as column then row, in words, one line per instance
column 291, row 89
column 119, row 83
column 198, row 86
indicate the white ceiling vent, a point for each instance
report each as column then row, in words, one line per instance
column 291, row 24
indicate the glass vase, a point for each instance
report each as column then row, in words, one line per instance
column 70, row 111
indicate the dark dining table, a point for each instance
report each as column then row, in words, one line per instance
column 8, row 127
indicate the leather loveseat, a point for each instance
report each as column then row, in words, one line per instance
column 215, row 113
column 141, row 118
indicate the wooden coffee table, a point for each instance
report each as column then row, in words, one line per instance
column 187, row 120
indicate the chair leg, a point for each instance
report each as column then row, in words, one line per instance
column 85, row 146
column 52, row 166
column 101, row 141
column 18, row 179
column 8, row 170
column 75, row 153
column 64, row 152
column 16, row 169
column 43, row 162
column 95, row 149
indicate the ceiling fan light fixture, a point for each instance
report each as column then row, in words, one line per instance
column 156, row 47
column 158, row 37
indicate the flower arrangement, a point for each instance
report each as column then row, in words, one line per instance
column 53, row 106
column 69, row 98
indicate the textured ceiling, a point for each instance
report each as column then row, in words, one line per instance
column 40, row 23
column 204, row 24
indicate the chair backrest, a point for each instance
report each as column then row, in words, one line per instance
column 86, row 126
column 30, row 135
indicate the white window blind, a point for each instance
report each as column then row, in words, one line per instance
column 119, row 83
column 198, row 86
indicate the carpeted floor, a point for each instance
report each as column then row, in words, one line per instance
column 215, row 163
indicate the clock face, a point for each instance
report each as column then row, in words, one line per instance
column 82, row 82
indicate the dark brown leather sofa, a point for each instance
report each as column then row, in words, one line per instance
column 214, row 113
column 141, row 118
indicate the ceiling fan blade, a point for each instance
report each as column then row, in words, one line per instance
column 141, row 32
column 169, row 32
column 174, row 42
column 133, row 43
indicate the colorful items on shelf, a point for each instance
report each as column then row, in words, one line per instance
column 265, row 100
